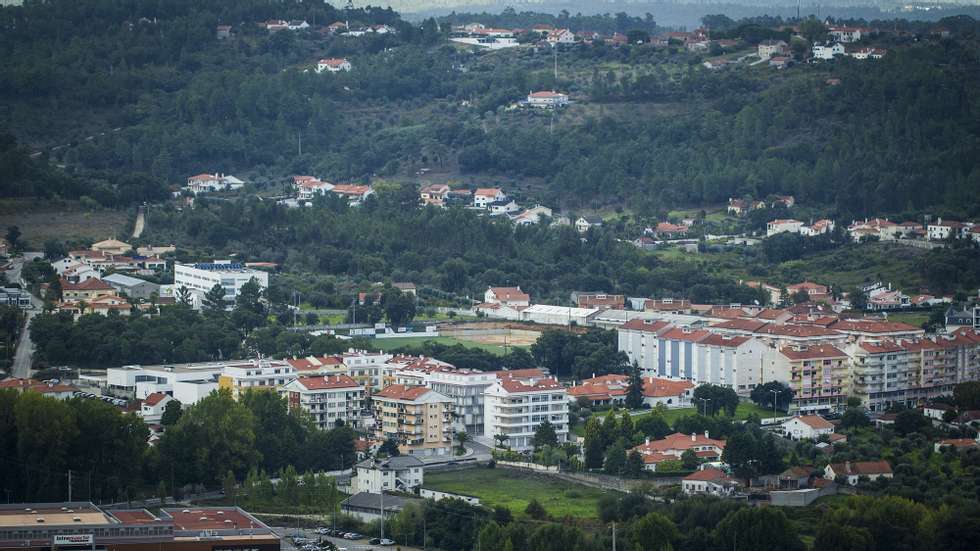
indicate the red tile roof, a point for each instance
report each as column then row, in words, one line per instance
column 402, row 392
column 154, row 399
column 312, row 363
column 861, row 468
column 679, row 442
column 328, row 382
column 510, row 293
column 729, row 341
column 90, row 284
column 881, row 347
column 691, row 335
column 529, row 385
column 750, row 325
column 487, row 191
column 874, row 326
column 650, row 326
column 819, row 351
column 709, row 474
column 654, row 387
column 815, row 421
column 796, row 331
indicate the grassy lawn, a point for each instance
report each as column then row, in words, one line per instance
column 394, row 344
column 515, row 489
column 63, row 220
column 911, row 318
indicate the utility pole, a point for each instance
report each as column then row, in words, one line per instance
column 69, row 485
column 614, row 536
column 382, row 513
column 555, row 50
column 775, row 394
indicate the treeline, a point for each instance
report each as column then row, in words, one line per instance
column 509, row 18
column 42, row 439
column 450, row 249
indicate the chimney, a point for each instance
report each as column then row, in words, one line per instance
column 706, row 434
column 694, row 437
column 847, row 467
column 647, row 442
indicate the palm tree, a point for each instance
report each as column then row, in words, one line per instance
column 501, row 440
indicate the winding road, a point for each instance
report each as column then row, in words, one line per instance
column 21, row 367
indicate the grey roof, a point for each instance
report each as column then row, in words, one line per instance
column 367, row 500
column 125, row 280
column 396, row 463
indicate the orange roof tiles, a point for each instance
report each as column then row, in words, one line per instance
column 402, row 392
column 327, row 383
column 821, row 351
column 650, row 326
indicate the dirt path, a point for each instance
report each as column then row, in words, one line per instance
column 140, row 223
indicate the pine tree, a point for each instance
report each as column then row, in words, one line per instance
column 214, row 300
column 634, row 392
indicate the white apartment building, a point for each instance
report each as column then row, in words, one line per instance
column 402, row 473
column 516, row 406
column 370, row 368
column 255, row 374
column 465, row 387
column 201, row 277
column 327, row 399
column 696, row 355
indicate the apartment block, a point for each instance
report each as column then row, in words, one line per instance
column 418, row 418
column 518, row 403
column 256, row 374
column 327, row 399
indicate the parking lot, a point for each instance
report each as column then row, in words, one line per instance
column 307, row 539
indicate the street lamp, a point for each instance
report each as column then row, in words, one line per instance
column 705, row 402
column 775, row 395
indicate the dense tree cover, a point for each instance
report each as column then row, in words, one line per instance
column 11, row 320
column 452, row 249
column 509, row 18
column 579, row 355
column 713, row 399
column 773, row 394
column 184, row 102
column 42, row 438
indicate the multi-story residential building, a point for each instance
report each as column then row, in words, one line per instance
column 418, row 418
column 328, row 399
column 202, row 277
column 696, row 355
column 255, row 375
column 819, row 376
column 517, row 404
column 370, row 368
column 401, row 473
column 883, row 373
column 464, row 386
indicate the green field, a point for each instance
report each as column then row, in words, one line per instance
column 911, row 318
column 515, row 489
column 394, row 344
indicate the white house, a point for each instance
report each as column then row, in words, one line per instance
column 944, row 229
column 153, row 406
column 297, row 25
column 510, row 296
column 561, row 36
column 709, row 481
column 484, row 196
column 849, row 34
column 807, row 427
column 819, row 227
column 584, row 223
column 403, row 473
column 783, row 226
column 516, row 405
column 852, row 471
column 204, row 183
column 308, row 187
column 770, row 48
column 505, row 206
column 327, row 400
column 828, row 53
column 333, row 65
column 547, row 99
column 547, row 314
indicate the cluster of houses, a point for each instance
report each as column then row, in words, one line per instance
column 339, row 28
column 100, row 279
column 209, row 183
column 741, row 207
column 333, row 65
column 789, row 225
column 938, row 230
column 490, row 200
column 308, row 187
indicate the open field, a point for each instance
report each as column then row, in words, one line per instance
column 41, row 220
column 397, row 343
column 911, row 318
column 515, row 489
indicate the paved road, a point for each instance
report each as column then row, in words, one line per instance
column 140, row 223
column 21, row 367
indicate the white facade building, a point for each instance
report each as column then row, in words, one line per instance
column 783, row 226
column 464, row 386
column 547, row 99
column 403, row 473
column 807, row 427
column 200, row 278
column 828, row 53
column 557, row 315
column 517, row 406
column 256, row 374
column 327, row 399
column 333, row 65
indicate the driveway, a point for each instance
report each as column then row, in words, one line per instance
column 24, row 353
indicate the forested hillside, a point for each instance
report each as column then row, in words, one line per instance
column 146, row 89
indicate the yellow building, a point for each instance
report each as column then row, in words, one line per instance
column 418, row 418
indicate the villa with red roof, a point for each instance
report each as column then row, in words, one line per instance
column 807, row 427
column 484, row 196
column 308, row 187
column 333, row 65
column 547, row 99
column 612, row 389
column 851, row 472
column 510, row 296
column 673, row 446
column 153, row 406
column 355, row 194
